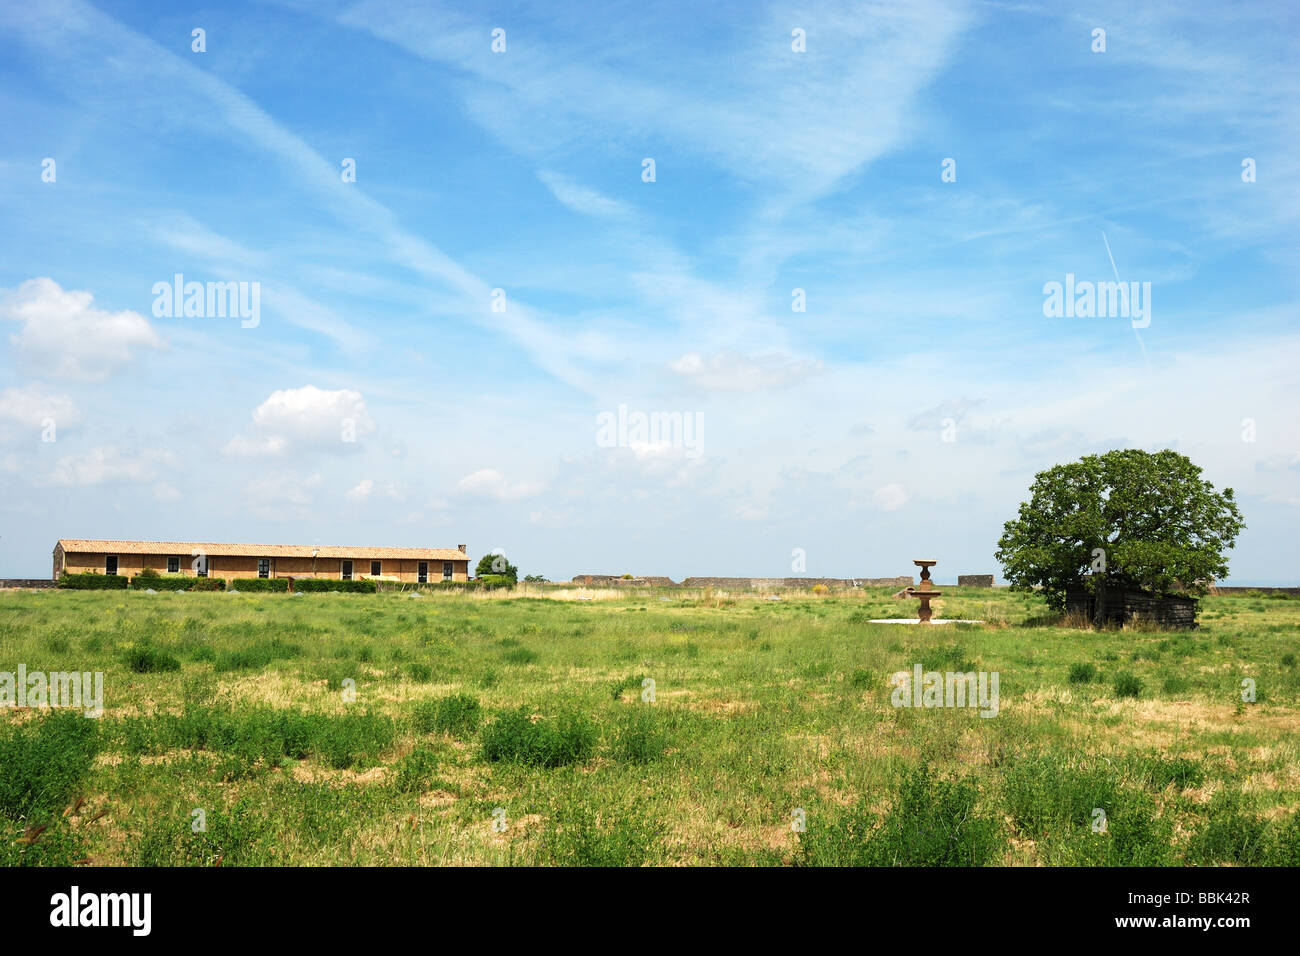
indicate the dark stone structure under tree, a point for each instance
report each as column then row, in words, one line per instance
column 1123, row 603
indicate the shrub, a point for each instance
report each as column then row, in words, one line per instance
column 325, row 584
column 207, row 584
column 641, row 736
column 93, row 582
column 245, row 585
column 458, row 715
column 147, row 573
column 1055, row 802
column 45, row 761
column 419, row 671
column 931, row 823
column 1175, row 684
column 240, row 835
column 261, row 734
column 577, row 835
column 519, row 655
column 477, row 585
column 1231, row 834
column 162, row 582
column 256, row 656
column 618, row 687
column 951, row 657
column 147, row 659
column 549, row 742
column 1084, row 673
column 415, row 770
column 1284, row 842
column 1182, row 772
column 1127, row 684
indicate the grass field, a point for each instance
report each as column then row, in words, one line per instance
column 495, row 729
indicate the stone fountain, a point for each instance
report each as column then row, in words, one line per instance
column 926, row 591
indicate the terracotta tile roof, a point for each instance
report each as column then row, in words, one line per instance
column 216, row 549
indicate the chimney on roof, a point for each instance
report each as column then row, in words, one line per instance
column 462, row 548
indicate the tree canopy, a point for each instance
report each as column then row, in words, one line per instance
column 1126, row 517
column 496, row 564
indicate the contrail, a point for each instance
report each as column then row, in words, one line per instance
column 1117, row 279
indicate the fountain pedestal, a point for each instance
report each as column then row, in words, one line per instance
column 926, row 591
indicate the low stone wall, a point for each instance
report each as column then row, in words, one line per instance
column 620, row 582
column 1235, row 589
column 974, row 580
column 739, row 584
column 26, row 583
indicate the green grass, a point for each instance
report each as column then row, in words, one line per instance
column 372, row 729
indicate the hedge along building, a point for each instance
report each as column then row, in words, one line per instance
column 208, row 559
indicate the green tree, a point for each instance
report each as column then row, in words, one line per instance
column 491, row 564
column 1125, row 518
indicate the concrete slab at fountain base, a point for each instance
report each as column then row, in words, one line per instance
column 912, row 620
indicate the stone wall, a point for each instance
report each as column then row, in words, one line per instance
column 739, row 584
column 974, row 580
column 1235, row 589
column 26, row 583
column 620, row 582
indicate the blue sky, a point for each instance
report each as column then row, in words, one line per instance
column 382, row 399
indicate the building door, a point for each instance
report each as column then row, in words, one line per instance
column 110, row 564
column 423, row 575
column 347, row 570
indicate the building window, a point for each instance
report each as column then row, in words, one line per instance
column 375, row 569
column 347, row 570
column 446, row 570
column 423, row 572
column 263, row 567
column 110, row 564
column 173, row 565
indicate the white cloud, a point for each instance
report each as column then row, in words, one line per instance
column 283, row 496
column 32, row 405
column 363, row 489
column 890, row 497
column 729, row 371
column 302, row 419
column 490, row 483
column 243, row 446
column 165, row 492
column 108, row 463
column 65, row 336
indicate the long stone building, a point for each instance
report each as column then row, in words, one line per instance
column 209, row 559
